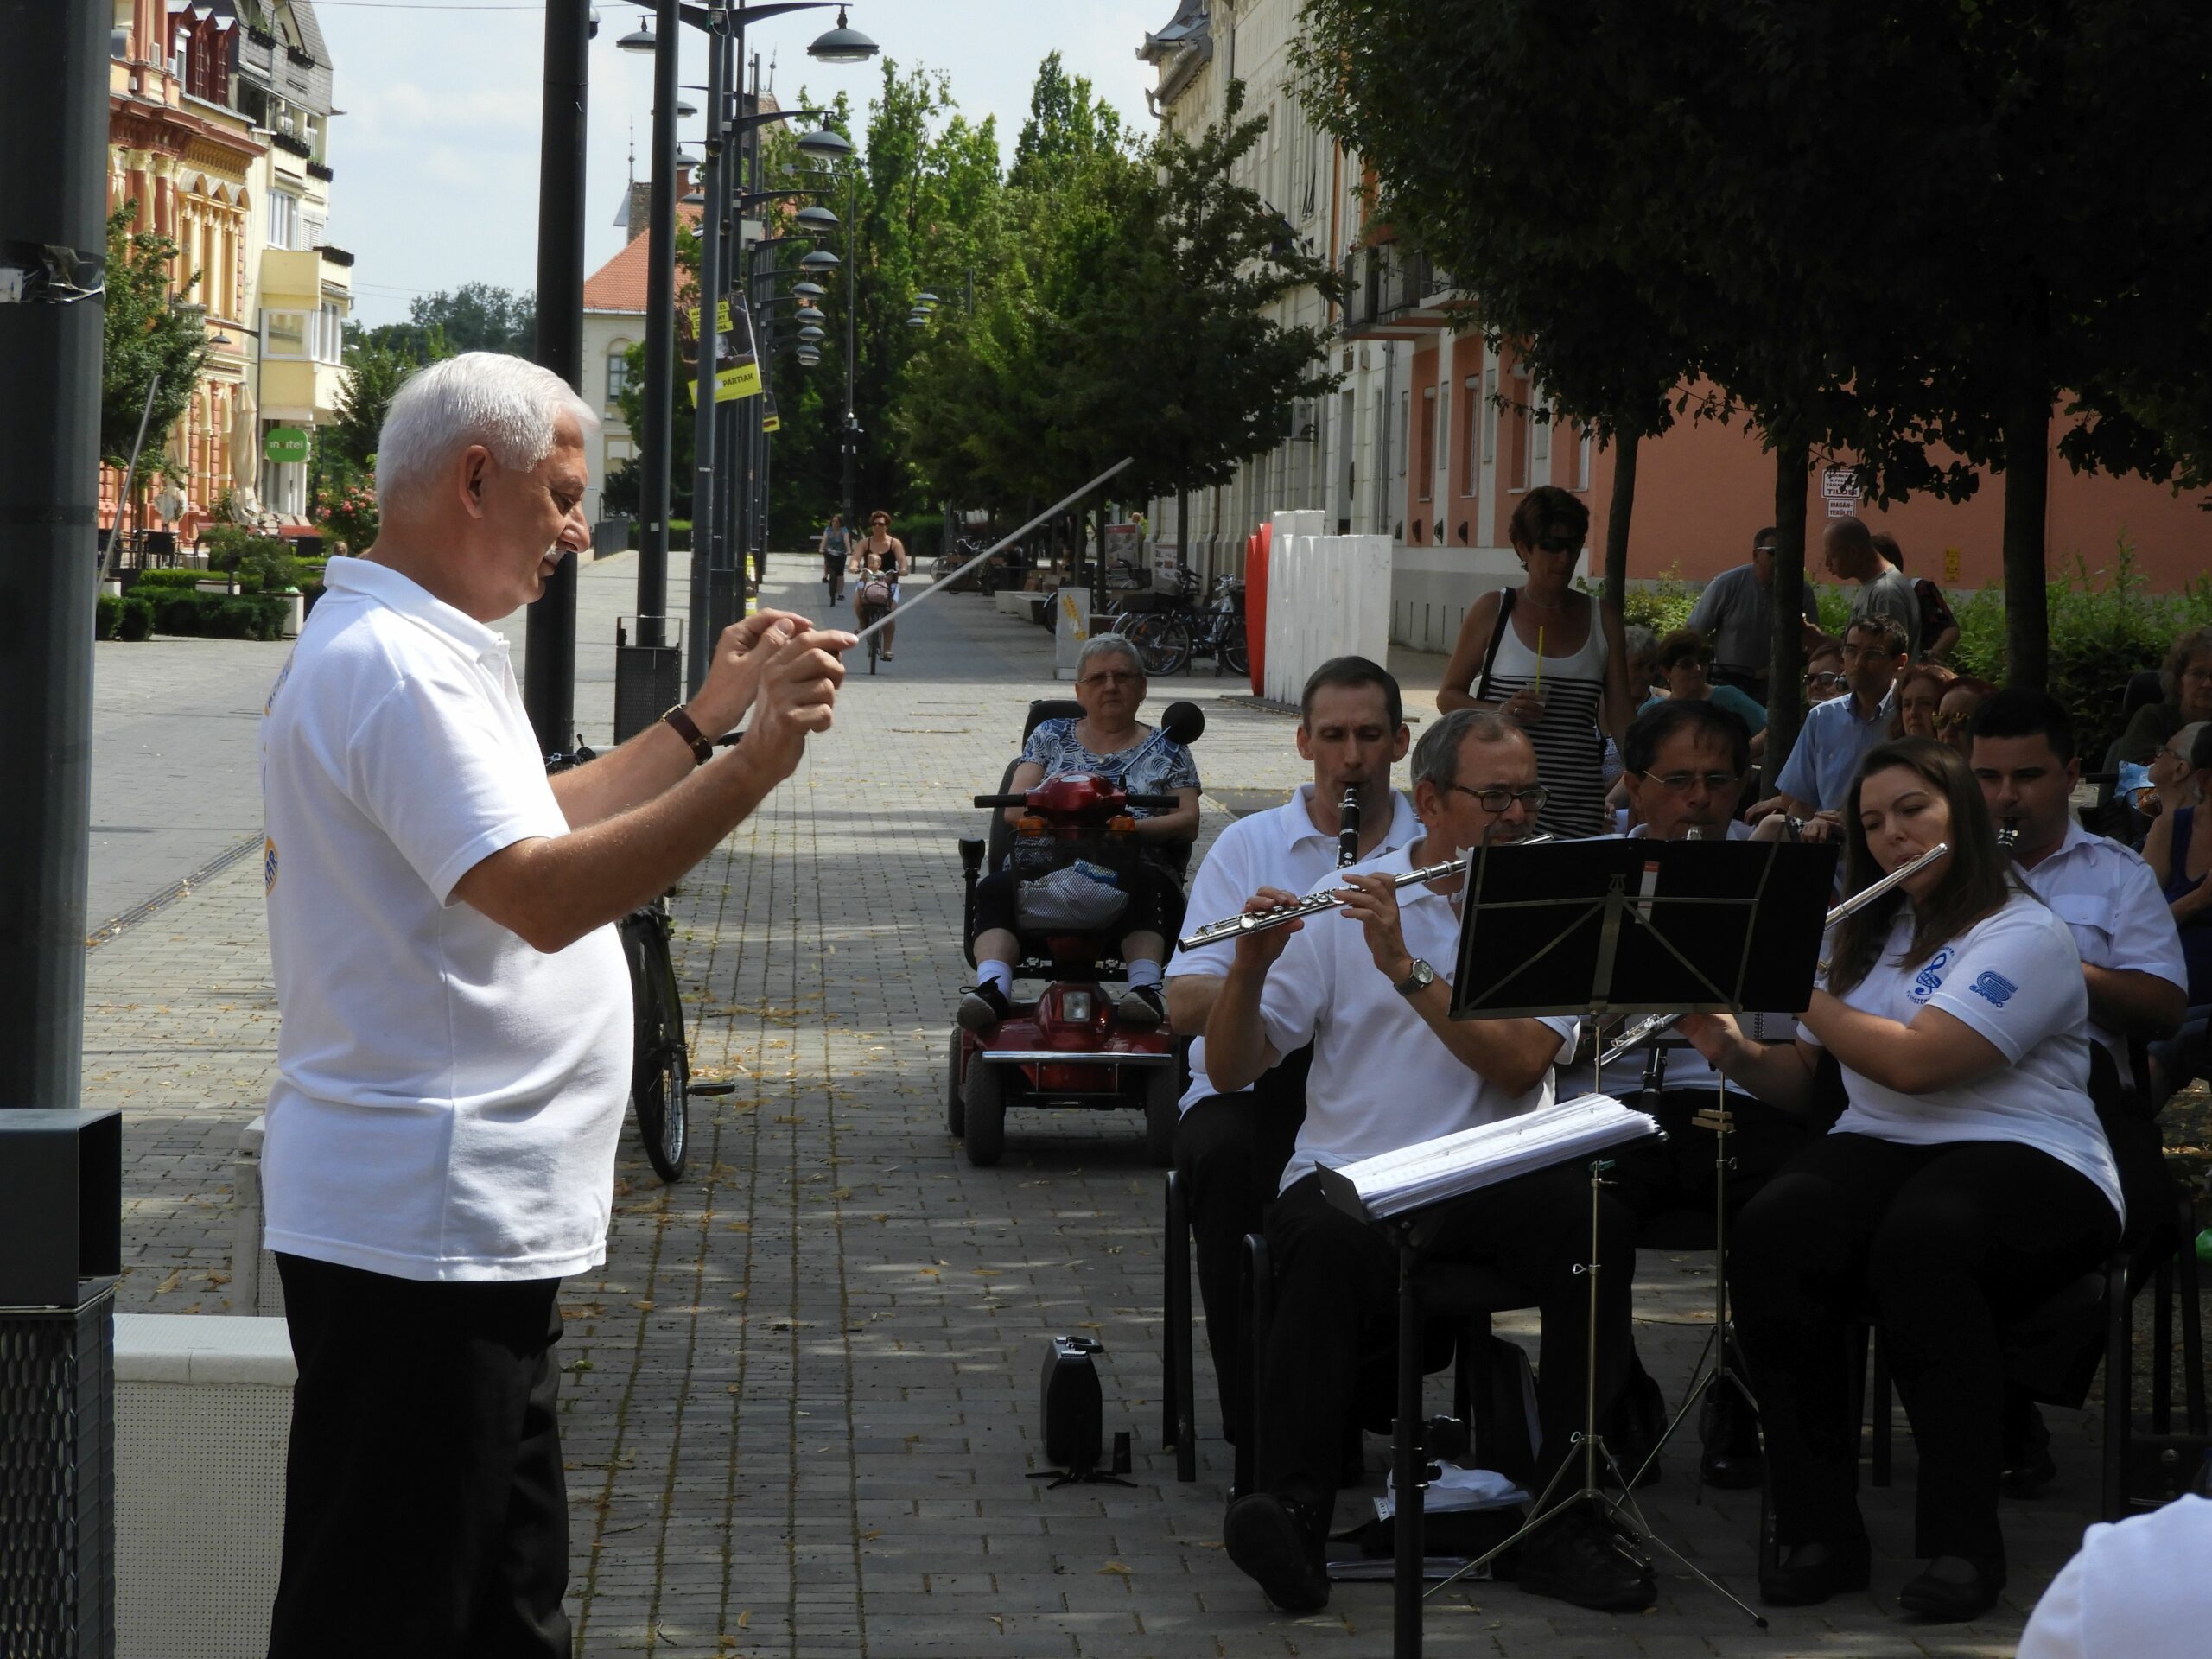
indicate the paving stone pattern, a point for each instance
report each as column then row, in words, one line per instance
column 801, row 1405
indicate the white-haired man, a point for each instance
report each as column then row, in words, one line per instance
column 455, row 1049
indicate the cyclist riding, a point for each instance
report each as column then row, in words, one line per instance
column 836, row 550
column 879, row 560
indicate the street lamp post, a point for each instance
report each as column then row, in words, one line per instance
column 705, row 525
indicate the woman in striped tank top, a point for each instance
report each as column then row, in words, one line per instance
column 1579, row 694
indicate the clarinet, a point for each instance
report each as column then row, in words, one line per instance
column 1348, row 837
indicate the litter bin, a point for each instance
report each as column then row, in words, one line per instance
column 648, row 679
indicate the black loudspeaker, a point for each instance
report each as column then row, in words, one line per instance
column 1073, row 1408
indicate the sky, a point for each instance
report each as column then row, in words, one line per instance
column 436, row 156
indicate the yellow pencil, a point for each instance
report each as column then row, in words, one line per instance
column 1539, row 686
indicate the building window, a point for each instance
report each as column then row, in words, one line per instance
column 1490, row 415
column 1427, row 478
column 617, row 372
column 1582, row 448
column 330, row 334
column 1405, row 421
column 1540, row 433
column 284, row 335
column 283, row 220
column 1473, row 407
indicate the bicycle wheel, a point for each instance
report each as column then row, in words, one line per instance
column 1234, row 656
column 660, row 1064
column 1161, row 640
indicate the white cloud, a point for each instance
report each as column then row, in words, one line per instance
column 436, row 157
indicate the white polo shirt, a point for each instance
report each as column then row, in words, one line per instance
column 1279, row 847
column 1382, row 1079
column 2137, row 1588
column 448, row 1098
column 2015, row 979
column 2110, row 901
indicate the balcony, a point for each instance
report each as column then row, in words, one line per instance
column 304, row 275
column 1395, row 292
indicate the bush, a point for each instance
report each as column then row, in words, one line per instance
column 218, row 616
column 135, row 621
column 922, row 532
column 679, row 535
column 107, row 612
column 149, row 581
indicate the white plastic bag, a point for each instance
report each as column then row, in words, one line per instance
column 1078, row 898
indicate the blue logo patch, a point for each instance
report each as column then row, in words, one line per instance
column 1930, row 980
column 1994, row 989
column 268, row 866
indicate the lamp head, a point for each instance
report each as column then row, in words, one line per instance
column 843, row 44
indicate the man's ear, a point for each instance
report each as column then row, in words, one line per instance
column 1401, row 743
column 475, row 471
column 1305, row 742
column 2073, row 772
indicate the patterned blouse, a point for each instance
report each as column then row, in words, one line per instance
column 1151, row 765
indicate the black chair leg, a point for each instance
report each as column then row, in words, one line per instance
column 2192, row 1325
column 2119, row 1388
column 2161, row 1346
column 1180, row 1408
column 1405, row 1464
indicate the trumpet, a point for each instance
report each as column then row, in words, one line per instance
column 1643, row 1030
column 1259, row 921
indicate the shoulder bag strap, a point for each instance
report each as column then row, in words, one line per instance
column 1497, row 636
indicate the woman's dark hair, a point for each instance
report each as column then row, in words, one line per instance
column 1547, row 508
column 1975, row 882
column 1681, row 643
column 879, row 514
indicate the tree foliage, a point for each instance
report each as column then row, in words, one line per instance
column 149, row 330
column 475, row 317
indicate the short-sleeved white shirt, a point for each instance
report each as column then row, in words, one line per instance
column 2110, row 901
column 1279, row 847
column 448, row 1098
column 1382, row 1079
column 2137, row 1587
column 2015, row 979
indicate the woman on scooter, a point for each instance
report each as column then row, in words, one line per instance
column 1108, row 741
column 879, row 553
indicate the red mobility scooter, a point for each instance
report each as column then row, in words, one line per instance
column 1065, row 1048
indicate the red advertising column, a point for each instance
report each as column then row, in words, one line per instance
column 1255, row 604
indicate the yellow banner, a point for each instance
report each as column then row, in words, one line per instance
column 737, row 367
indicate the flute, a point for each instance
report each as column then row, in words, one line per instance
column 1259, row 921
column 1652, row 1025
column 1348, row 837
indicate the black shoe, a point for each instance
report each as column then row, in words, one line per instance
column 1952, row 1589
column 1581, row 1559
column 1729, row 1428
column 1274, row 1544
column 1141, row 1006
column 981, row 1007
column 1812, row 1573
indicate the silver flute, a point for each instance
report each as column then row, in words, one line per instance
column 1650, row 1026
column 1259, row 921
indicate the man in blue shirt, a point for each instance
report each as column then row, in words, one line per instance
column 1836, row 734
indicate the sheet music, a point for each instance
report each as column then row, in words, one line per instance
column 1429, row 1172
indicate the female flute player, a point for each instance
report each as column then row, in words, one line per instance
column 1968, row 1180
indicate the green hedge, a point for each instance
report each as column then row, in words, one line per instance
column 115, row 618
column 220, row 616
column 146, row 581
column 922, row 532
column 107, row 613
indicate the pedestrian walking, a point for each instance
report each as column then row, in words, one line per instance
column 1736, row 611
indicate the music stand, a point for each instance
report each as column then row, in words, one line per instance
column 1603, row 927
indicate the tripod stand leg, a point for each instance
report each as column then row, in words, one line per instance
column 1406, row 1458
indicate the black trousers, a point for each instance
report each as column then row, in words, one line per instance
column 1230, row 1154
column 1657, row 1178
column 1333, row 1341
column 425, row 1513
column 1943, row 1245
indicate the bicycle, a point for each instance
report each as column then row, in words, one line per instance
column 660, row 1058
column 1169, row 632
column 875, row 603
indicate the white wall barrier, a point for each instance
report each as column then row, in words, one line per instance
column 1328, row 596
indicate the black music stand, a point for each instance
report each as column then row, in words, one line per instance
column 1604, row 927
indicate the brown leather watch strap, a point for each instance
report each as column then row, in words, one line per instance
column 684, row 726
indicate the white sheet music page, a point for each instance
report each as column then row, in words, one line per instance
column 1429, row 1172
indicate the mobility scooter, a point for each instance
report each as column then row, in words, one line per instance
column 1063, row 1048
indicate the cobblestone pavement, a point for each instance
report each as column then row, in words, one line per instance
column 800, row 1405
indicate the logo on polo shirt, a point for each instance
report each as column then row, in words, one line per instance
column 1994, row 989
column 283, row 675
column 1930, row 980
column 267, row 867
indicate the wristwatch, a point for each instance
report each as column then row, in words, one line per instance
column 685, row 727
column 1418, row 979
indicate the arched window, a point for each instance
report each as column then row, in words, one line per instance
column 617, row 372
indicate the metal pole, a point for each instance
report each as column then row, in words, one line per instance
column 129, row 475
column 660, row 330
column 700, row 647
column 852, row 258
column 549, row 673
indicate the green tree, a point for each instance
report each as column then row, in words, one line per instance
column 148, row 332
column 374, row 375
column 475, row 317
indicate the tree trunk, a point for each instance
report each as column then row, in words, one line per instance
column 2027, row 490
column 1618, row 511
column 1182, row 525
column 1785, row 685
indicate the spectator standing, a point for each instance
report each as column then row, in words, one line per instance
column 1939, row 628
column 1736, row 611
column 1817, row 776
column 1920, row 694
column 1551, row 660
column 2180, row 852
column 2187, row 677
column 1848, row 548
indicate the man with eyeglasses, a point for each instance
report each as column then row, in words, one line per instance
column 1736, row 611
column 1836, row 734
column 1369, row 988
column 1685, row 766
column 1824, row 669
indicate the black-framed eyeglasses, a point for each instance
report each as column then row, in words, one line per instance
column 1680, row 782
column 1813, row 682
column 1559, row 544
column 1495, row 801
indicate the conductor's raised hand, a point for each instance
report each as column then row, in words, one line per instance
column 734, row 677
column 1259, row 950
column 1372, row 901
column 797, row 696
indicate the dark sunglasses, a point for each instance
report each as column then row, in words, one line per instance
column 1558, row 544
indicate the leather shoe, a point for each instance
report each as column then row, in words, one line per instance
column 1272, row 1543
column 1812, row 1573
column 1952, row 1589
column 981, row 1007
column 1729, row 1428
column 1581, row 1559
